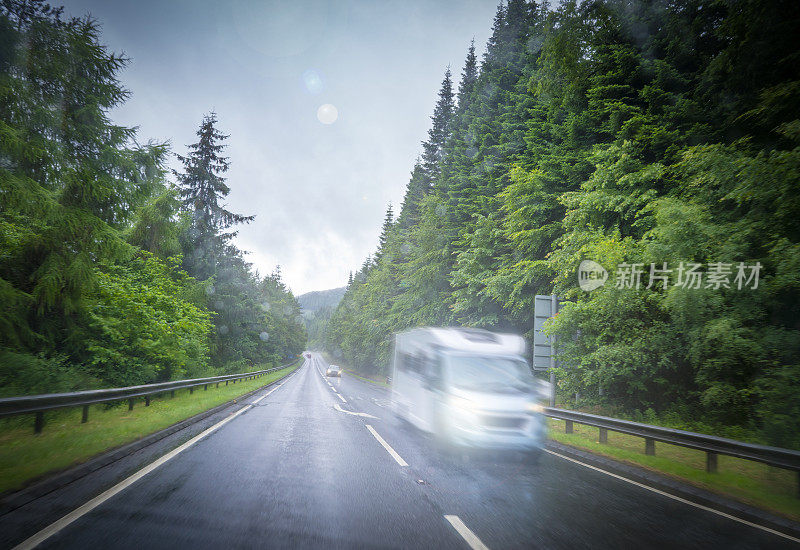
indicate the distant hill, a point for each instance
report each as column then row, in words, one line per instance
column 312, row 302
column 317, row 309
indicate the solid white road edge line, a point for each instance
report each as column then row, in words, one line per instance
column 473, row 541
column 386, row 446
column 679, row 499
column 342, row 398
column 58, row 525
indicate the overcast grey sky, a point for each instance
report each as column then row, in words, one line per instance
column 319, row 191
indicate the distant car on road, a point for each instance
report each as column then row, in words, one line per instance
column 334, row 370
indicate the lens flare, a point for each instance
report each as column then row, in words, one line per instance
column 313, row 81
column 327, row 114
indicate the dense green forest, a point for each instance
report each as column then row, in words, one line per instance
column 631, row 133
column 111, row 272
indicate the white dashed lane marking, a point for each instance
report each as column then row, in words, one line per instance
column 386, row 446
column 471, row 538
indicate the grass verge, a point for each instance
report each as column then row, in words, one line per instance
column 65, row 441
column 365, row 379
column 753, row 483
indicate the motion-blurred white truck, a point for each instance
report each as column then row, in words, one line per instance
column 469, row 387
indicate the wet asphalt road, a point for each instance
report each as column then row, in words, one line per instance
column 297, row 470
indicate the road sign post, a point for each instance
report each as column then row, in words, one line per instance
column 545, row 307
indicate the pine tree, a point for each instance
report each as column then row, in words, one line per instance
column 388, row 225
column 496, row 37
column 418, row 186
column 469, row 75
column 71, row 183
column 202, row 189
column 70, row 179
column 433, row 149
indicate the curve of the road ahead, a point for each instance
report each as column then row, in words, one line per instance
column 318, row 462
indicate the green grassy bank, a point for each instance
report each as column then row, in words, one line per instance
column 65, row 441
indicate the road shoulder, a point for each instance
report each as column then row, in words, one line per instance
column 679, row 489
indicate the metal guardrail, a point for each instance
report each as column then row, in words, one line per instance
column 711, row 445
column 38, row 404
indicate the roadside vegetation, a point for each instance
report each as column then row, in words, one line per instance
column 646, row 137
column 65, row 441
column 114, row 271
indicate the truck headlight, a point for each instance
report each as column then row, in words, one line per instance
column 535, row 407
column 461, row 404
column 462, row 413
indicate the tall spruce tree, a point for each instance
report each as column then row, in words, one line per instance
column 388, row 225
column 202, row 189
column 416, row 189
column 469, row 75
column 495, row 39
column 433, row 148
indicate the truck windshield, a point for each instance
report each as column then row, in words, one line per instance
column 489, row 374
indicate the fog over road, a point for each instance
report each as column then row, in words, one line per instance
column 300, row 469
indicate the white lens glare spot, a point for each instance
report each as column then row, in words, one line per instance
column 327, row 114
column 313, row 82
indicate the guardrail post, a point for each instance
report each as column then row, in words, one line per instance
column 603, row 435
column 130, row 404
column 146, row 400
column 38, row 422
column 205, row 388
column 649, row 446
column 226, row 382
column 711, row 462
column 85, row 417
column 172, row 393
column 568, row 426
column 217, row 384
column 191, row 389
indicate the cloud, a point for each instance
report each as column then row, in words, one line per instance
column 319, row 192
